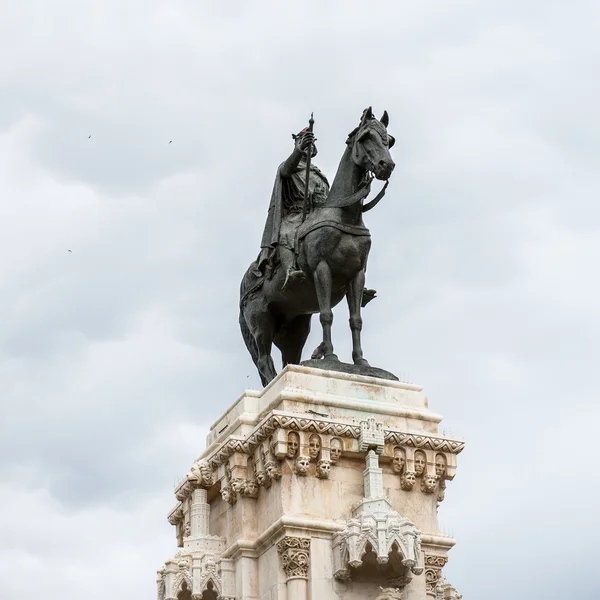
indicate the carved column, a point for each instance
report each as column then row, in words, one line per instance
column 295, row 561
column 373, row 477
column 433, row 572
column 200, row 513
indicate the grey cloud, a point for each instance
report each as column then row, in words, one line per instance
column 483, row 256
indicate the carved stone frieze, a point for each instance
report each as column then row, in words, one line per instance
column 433, row 572
column 270, row 424
column 295, row 556
column 424, row 441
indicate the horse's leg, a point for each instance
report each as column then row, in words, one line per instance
column 354, row 297
column 322, row 278
column 262, row 325
column 291, row 339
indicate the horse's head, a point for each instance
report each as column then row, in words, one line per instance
column 371, row 143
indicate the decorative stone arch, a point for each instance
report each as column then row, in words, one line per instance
column 182, row 577
column 365, row 540
column 215, row 584
column 209, row 591
column 184, row 591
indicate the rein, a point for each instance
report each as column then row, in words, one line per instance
column 359, row 196
column 377, row 199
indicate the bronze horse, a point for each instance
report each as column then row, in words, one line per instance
column 332, row 249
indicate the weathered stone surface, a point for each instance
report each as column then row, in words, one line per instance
column 302, row 493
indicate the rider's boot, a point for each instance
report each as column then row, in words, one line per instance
column 294, row 273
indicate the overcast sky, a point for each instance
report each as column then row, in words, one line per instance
column 117, row 356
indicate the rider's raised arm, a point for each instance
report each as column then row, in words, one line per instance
column 303, row 142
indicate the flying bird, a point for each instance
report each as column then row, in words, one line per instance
column 89, row 136
column 71, row 251
column 171, row 142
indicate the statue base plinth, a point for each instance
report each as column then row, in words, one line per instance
column 352, row 369
column 324, row 484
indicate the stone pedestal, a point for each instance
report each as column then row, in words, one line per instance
column 322, row 486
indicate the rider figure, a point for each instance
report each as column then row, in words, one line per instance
column 287, row 207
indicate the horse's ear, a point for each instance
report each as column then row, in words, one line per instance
column 367, row 114
column 391, row 140
column 385, row 119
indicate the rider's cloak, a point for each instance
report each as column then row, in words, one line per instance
column 287, row 195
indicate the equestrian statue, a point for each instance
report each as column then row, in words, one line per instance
column 314, row 250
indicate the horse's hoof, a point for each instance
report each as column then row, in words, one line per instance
column 362, row 362
column 331, row 357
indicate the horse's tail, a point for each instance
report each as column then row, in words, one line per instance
column 248, row 338
column 246, row 333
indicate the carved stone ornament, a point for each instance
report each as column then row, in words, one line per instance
column 390, row 594
column 384, row 533
column 301, row 465
column 441, row 494
column 372, row 436
column 335, row 451
column 376, row 527
column 238, row 484
column 228, row 495
column 446, row 591
column 295, row 556
column 323, row 468
column 433, row 572
column 200, row 475
column 251, row 488
column 265, row 429
column 428, row 484
column 407, row 480
column 176, row 515
column 196, row 573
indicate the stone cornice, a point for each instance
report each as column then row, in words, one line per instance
column 298, row 422
column 431, row 442
column 294, row 525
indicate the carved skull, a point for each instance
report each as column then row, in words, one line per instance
column 408, row 480
column 336, row 450
column 399, row 460
column 301, row 465
column 314, row 447
column 293, row 444
column 419, row 463
column 323, row 468
column 428, row 484
column 440, row 465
